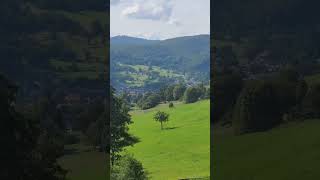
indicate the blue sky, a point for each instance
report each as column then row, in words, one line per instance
column 159, row 19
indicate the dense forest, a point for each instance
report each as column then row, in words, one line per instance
column 265, row 63
column 52, row 81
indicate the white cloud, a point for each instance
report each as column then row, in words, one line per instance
column 149, row 10
column 160, row 19
column 174, row 21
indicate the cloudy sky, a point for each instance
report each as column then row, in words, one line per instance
column 159, row 19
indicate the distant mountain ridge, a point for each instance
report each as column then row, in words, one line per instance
column 186, row 57
column 128, row 40
column 188, row 52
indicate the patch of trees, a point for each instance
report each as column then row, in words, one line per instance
column 226, row 89
column 119, row 135
column 117, row 138
column 149, row 100
column 193, row 94
column 128, row 168
column 30, row 152
column 173, row 93
column 265, row 103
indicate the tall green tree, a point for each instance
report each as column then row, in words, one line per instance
column 120, row 119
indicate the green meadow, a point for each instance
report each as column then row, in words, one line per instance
column 288, row 152
column 83, row 163
column 182, row 149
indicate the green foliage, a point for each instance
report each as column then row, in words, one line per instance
column 26, row 154
column 178, row 91
column 149, row 100
column 225, row 93
column 184, row 57
column 119, row 135
column 193, row 51
column 95, row 131
column 128, row 168
column 263, row 104
column 89, row 115
column 161, row 117
column 169, row 93
column 171, row 105
column 255, row 108
column 192, row 94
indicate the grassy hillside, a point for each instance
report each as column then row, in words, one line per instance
column 290, row 152
column 83, row 163
column 181, row 150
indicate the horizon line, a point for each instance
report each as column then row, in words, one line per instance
column 151, row 39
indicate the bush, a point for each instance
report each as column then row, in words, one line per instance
column 128, row 168
column 254, row 109
column 263, row 104
column 178, row 91
column 191, row 95
column 149, row 101
column 171, row 105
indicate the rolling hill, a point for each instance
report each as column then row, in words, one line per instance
column 185, row 56
column 182, row 149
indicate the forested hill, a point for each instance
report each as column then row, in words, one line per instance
column 131, row 41
column 257, row 37
column 252, row 17
column 53, row 43
column 180, row 57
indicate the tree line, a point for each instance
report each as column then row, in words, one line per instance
column 261, row 104
column 175, row 92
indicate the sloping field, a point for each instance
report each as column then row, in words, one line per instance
column 289, row 152
column 182, row 149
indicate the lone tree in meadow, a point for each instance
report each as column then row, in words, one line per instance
column 161, row 117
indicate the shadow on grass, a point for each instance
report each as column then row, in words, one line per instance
column 170, row 128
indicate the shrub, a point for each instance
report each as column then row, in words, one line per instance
column 149, row 101
column 128, row 168
column 191, row 95
column 178, row 91
column 171, row 105
column 255, row 108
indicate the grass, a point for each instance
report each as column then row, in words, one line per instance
column 182, row 149
column 289, row 152
column 313, row 79
column 83, row 163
